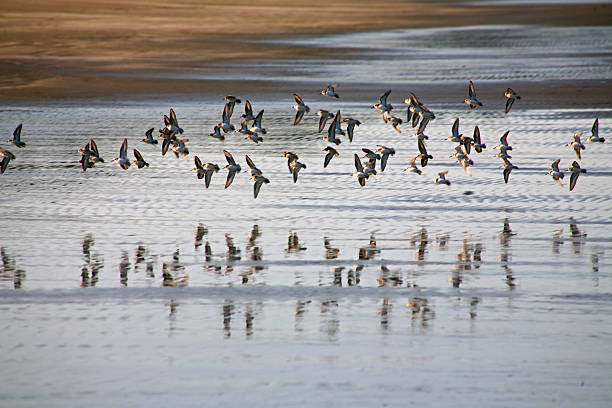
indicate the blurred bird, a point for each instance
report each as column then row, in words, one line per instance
column 300, row 107
column 512, row 96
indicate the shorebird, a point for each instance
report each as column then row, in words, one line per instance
column 171, row 124
column 216, row 133
column 291, row 157
column 441, row 179
column 168, row 140
column 463, row 159
column 575, row 170
column 232, row 168
column 300, row 107
column 259, row 180
column 254, row 137
column 257, row 124
column 412, row 168
column 350, row 128
column 199, row 169
column 338, row 121
column 423, row 155
column 385, row 152
column 179, row 148
column 295, row 167
column 331, row 132
column 456, row 136
column 512, row 96
column 331, row 153
column 231, row 102
column 503, row 142
column 595, row 133
column 472, row 101
column 140, row 161
column 248, row 111
column 323, row 116
column 16, row 140
column 420, row 132
column 94, row 154
column 209, row 169
column 478, row 145
column 122, row 160
column 330, row 91
column 149, row 137
column 6, row 158
column 467, row 143
column 225, row 124
column 393, row 120
column 370, row 154
column 382, row 104
column 85, row 155
column 4, row 164
column 252, row 168
column 577, row 145
column 555, row 173
column 359, row 173
column 508, row 167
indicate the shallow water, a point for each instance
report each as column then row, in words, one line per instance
column 142, row 286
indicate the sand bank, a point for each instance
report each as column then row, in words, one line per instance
column 68, row 49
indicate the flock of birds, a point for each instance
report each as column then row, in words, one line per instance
column 418, row 115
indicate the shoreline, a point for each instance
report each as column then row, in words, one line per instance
column 98, row 51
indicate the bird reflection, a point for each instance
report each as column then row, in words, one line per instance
column 330, row 252
column 473, row 303
column 337, row 271
column 231, row 255
column 557, row 241
column 421, row 238
column 354, row 276
column 330, row 323
column 370, row 251
column 173, row 274
column 421, row 311
column 124, row 268
column 255, row 255
column 577, row 236
column 300, row 309
column 9, row 272
column 199, row 235
column 468, row 257
column 173, row 306
column 293, row 244
column 249, row 318
column 228, row 311
column 504, row 255
column 388, row 278
column 385, row 314
column 442, row 240
column 92, row 263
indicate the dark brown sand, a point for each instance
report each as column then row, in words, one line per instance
column 75, row 49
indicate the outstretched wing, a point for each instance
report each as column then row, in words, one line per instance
column 229, row 157
column 123, row 150
column 509, row 103
column 298, row 117
column 17, row 133
column 358, row 165
column 250, row 162
column 472, row 91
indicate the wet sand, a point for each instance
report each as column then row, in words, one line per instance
column 66, row 49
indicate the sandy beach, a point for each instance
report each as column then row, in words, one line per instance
column 68, row 49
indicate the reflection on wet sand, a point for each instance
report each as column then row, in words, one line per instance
column 199, row 235
column 577, row 236
column 173, row 274
column 293, row 244
column 255, row 256
column 9, row 272
column 92, row 263
column 124, row 268
column 388, row 278
column 422, row 239
column 385, row 314
column 421, row 311
column 330, row 321
column 330, row 252
column 468, row 257
column 504, row 255
column 300, row 309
